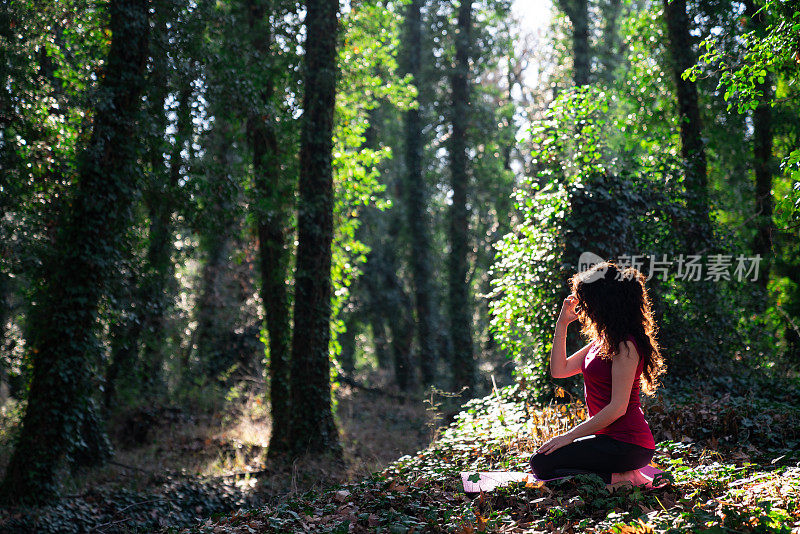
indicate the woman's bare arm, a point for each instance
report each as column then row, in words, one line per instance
column 560, row 365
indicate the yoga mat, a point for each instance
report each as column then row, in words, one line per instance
column 489, row 480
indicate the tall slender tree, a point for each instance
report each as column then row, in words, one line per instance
column 578, row 13
column 156, row 290
column 390, row 306
column 136, row 341
column 416, row 199
column 609, row 53
column 272, row 204
column 217, row 238
column 762, row 157
column 682, row 56
column 312, row 427
column 63, row 321
column 7, row 158
column 459, row 303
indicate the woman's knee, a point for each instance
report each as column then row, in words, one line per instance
column 541, row 466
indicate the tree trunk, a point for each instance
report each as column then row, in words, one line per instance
column 416, row 199
column 400, row 314
column 212, row 350
column 375, row 290
column 220, row 294
column 348, row 342
column 147, row 294
column 4, row 314
column 312, row 427
column 377, row 321
column 94, row 447
column 63, row 322
column 580, row 43
column 762, row 161
column 692, row 147
column 578, row 13
column 122, row 369
column 389, row 307
column 272, row 204
column 8, row 155
column 159, row 253
column 459, row 304
column 610, row 53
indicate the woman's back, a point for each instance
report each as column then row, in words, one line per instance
column 632, row 426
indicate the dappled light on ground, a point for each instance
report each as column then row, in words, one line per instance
column 726, row 489
column 191, row 466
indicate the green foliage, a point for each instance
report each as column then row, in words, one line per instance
column 607, row 178
column 369, row 77
column 51, row 55
column 773, row 50
column 573, row 204
column 787, row 210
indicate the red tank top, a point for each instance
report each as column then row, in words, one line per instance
column 632, row 426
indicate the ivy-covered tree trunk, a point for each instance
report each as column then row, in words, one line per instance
column 380, row 334
column 682, row 56
column 578, row 13
column 63, row 321
column 610, row 54
column 121, row 371
column 762, row 160
column 158, row 284
column 347, row 340
column 136, row 358
column 372, row 230
column 212, row 350
column 8, row 156
column 158, row 195
column 272, row 204
column 389, row 306
column 10, row 184
column 416, row 200
column 459, row 303
column 312, row 427
column 400, row 313
column 4, row 313
column 217, row 302
column 389, row 300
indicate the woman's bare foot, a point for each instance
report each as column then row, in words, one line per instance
column 635, row 477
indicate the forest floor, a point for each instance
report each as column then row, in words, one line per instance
column 732, row 460
column 175, row 465
column 732, row 452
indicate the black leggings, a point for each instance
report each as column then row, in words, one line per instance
column 598, row 454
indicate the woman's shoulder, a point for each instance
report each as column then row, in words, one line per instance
column 630, row 342
column 632, row 338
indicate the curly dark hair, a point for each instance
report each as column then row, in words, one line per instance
column 613, row 303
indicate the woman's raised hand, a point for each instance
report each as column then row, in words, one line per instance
column 568, row 313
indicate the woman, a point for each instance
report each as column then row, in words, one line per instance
column 623, row 357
